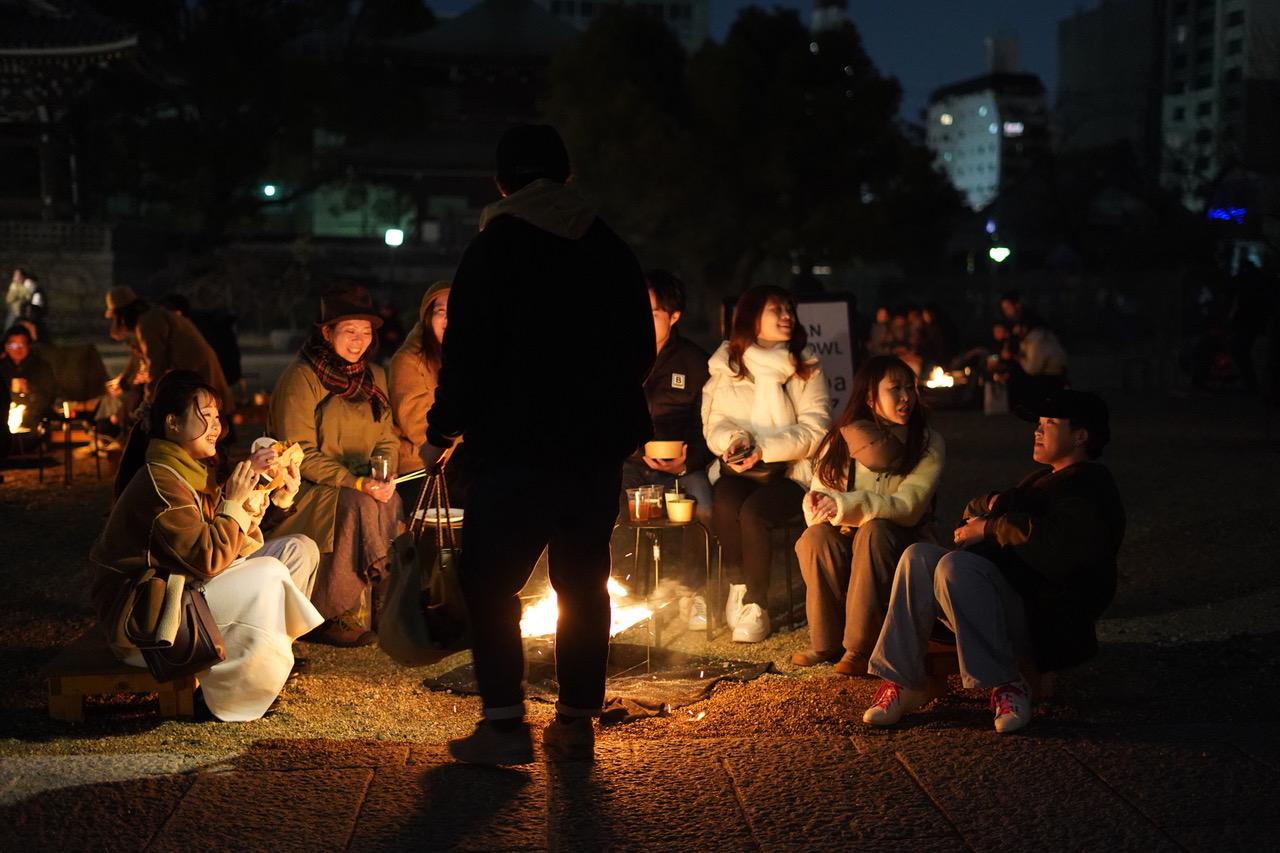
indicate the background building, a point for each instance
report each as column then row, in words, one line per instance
column 1221, row 105
column 986, row 133
column 689, row 19
column 1110, row 72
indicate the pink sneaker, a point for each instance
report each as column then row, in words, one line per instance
column 891, row 702
column 1011, row 704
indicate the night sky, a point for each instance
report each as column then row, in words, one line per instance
column 925, row 43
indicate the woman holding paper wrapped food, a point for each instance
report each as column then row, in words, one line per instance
column 875, row 477
column 413, row 376
column 333, row 402
column 173, row 518
column 764, row 410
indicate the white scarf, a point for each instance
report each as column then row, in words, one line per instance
column 771, row 368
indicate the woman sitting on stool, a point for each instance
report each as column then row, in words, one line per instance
column 871, row 496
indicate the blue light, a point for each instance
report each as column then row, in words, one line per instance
column 1228, row 214
column 991, row 226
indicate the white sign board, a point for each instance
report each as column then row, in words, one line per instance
column 832, row 341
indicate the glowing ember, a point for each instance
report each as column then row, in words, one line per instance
column 539, row 618
column 939, row 378
column 16, row 414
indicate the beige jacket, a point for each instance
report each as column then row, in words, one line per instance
column 337, row 438
column 412, row 391
column 168, row 341
column 902, row 499
column 168, row 519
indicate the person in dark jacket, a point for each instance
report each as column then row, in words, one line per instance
column 673, row 392
column 1034, row 569
column 28, row 377
column 550, row 339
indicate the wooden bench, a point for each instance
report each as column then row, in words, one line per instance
column 88, row 668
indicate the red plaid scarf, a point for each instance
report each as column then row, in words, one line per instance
column 344, row 379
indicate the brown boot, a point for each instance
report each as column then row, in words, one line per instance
column 853, row 664
column 813, row 657
column 335, row 632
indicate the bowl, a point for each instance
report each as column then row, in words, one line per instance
column 663, row 449
column 452, row 516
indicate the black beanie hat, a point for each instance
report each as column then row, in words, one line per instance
column 528, row 152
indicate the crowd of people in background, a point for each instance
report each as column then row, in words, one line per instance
column 544, row 368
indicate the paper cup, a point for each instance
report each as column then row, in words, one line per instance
column 681, row 510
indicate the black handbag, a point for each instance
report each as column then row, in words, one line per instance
column 424, row 618
column 171, row 624
column 762, row 473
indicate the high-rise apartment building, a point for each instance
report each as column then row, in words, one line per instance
column 1221, row 103
column 689, row 19
column 987, row 132
column 1110, row 73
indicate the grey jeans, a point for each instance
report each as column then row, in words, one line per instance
column 971, row 596
column 300, row 556
column 847, row 578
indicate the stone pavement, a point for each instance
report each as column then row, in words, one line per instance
column 920, row 788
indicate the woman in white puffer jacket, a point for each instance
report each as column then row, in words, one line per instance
column 764, row 410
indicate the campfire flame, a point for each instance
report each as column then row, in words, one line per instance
column 939, row 378
column 539, row 618
column 16, row 413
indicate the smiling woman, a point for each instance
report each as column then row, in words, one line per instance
column 332, row 401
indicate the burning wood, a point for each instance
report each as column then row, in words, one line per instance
column 939, row 378
column 16, row 413
column 539, row 618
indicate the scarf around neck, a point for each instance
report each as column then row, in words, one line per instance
column 164, row 452
column 345, row 379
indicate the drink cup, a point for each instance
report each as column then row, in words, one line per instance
column 380, row 467
column 680, row 510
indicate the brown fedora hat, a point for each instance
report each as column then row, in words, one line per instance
column 347, row 303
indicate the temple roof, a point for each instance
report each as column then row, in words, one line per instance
column 59, row 31
column 492, row 28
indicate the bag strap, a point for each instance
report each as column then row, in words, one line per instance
column 440, row 506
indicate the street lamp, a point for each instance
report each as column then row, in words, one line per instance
column 270, row 190
column 999, row 254
column 393, row 237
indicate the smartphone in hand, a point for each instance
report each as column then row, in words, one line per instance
column 741, row 454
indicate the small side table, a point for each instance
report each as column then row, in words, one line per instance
column 658, row 525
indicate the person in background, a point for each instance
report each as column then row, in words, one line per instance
column 413, row 376
column 764, row 410
column 550, row 340
column 332, row 400
column 1033, row 570
column 172, row 517
column 218, row 328
column 163, row 341
column 863, row 514
column 25, row 301
column 673, row 393
column 27, row 376
column 880, row 337
column 938, row 339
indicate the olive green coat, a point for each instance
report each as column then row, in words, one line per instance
column 337, row 439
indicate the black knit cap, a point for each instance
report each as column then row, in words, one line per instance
column 528, row 152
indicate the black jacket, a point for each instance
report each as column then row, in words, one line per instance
column 1055, row 537
column 550, row 337
column 673, row 392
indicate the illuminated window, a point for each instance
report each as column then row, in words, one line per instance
column 1013, row 128
column 945, row 118
column 982, row 111
column 991, row 128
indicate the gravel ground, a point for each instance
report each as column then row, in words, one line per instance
column 1198, row 607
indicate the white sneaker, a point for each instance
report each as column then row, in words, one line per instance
column 891, row 702
column 697, row 613
column 733, row 607
column 1011, row 704
column 753, row 625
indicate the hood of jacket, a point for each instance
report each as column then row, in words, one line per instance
column 553, row 207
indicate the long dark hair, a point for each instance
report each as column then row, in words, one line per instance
column 745, row 326
column 428, row 346
column 175, row 393
column 833, row 453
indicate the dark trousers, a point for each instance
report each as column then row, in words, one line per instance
column 743, row 513
column 512, row 514
column 848, row 578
